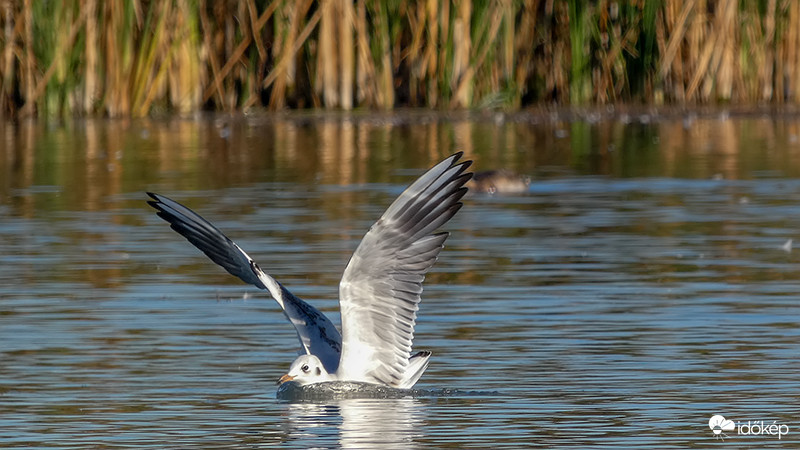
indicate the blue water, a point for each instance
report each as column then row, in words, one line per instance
column 620, row 303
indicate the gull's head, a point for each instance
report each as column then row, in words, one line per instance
column 306, row 369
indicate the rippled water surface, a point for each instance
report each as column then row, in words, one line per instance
column 645, row 282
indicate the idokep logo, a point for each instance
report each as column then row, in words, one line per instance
column 719, row 425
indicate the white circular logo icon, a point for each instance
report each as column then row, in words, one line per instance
column 719, row 425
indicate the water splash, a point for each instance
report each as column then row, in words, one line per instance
column 340, row 390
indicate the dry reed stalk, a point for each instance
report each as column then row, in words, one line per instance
column 385, row 93
column 363, row 66
column 294, row 46
column 186, row 75
column 413, row 52
column 442, row 68
column 216, row 80
column 725, row 63
column 766, row 67
column 746, row 78
column 91, row 65
column 247, row 76
column 698, row 51
column 671, row 74
column 524, row 42
column 462, row 76
column 111, row 57
column 728, row 64
column 327, row 74
column 8, row 56
column 710, row 70
column 239, row 51
column 284, row 71
column 255, row 29
column 791, row 72
column 283, row 32
column 119, row 55
column 485, row 43
column 347, row 59
column 28, row 75
column 782, row 61
column 366, row 71
column 677, row 33
column 750, row 71
column 431, row 53
column 702, row 69
column 786, row 72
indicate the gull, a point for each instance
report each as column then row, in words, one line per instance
column 379, row 292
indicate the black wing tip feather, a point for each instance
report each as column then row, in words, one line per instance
column 157, row 202
column 455, row 157
column 208, row 239
column 461, row 175
column 455, row 160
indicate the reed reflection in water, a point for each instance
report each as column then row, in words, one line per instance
column 89, row 160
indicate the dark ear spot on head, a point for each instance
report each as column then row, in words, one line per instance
column 319, row 372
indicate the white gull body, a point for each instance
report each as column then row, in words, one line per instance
column 380, row 290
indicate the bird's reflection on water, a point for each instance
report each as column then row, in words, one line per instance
column 363, row 415
column 360, row 422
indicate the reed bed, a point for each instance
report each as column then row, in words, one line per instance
column 139, row 57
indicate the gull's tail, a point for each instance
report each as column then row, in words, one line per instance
column 416, row 366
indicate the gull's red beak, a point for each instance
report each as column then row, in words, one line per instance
column 285, row 378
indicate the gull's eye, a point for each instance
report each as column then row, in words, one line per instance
column 304, row 368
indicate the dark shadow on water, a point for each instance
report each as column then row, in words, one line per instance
column 343, row 390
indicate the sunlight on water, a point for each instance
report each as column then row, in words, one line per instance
column 644, row 283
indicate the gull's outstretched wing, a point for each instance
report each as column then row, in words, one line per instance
column 381, row 286
column 317, row 334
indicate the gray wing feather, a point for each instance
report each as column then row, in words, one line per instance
column 317, row 335
column 381, row 286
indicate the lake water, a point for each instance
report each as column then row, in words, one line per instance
column 644, row 283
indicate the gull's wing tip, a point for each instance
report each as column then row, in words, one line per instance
column 462, row 165
column 157, row 201
column 456, row 156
